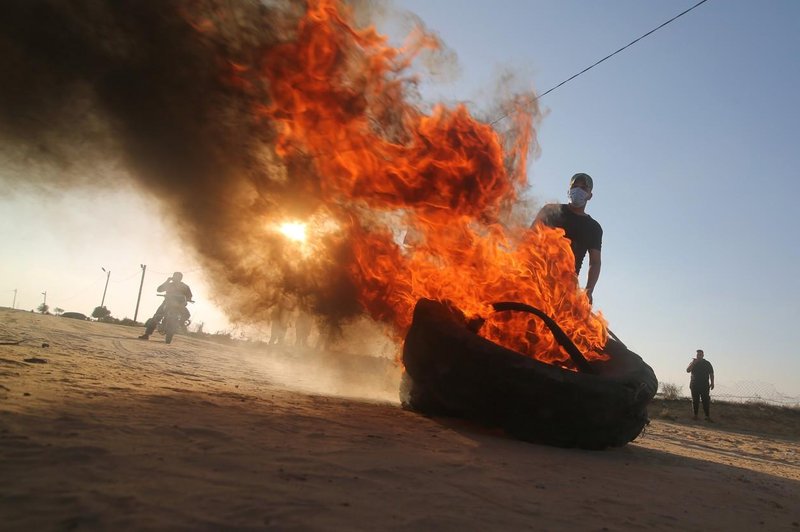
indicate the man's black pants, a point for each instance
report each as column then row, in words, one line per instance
column 701, row 393
column 152, row 323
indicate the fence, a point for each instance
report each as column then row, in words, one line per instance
column 739, row 392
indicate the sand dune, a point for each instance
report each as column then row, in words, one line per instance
column 102, row 431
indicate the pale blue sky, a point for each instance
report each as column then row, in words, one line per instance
column 689, row 135
column 59, row 243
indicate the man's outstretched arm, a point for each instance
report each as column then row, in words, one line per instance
column 594, row 272
column 547, row 215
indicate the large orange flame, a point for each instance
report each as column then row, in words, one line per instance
column 338, row 96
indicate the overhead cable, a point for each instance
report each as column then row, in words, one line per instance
column 609, row 56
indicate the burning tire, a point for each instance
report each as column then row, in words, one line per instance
column 451, row 370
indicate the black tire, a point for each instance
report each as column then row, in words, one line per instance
column 453, row 370
column 170, row 328
column 419, row 399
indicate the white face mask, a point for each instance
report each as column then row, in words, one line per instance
column 578, row 197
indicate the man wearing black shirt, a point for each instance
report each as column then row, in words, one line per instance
column 701, row 370
column 583, row 231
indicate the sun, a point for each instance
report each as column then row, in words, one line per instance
column 294, row 231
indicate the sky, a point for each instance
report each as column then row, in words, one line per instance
column 689, row 136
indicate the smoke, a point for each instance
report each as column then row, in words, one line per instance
column 166, row 94
column 359, row 364
column 141, row 87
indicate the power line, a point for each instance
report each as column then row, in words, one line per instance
column 128, row 278
column 609, row 56
column 195, row 269
column 80, row 292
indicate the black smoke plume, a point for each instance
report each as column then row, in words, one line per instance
column 142, row 87
column 173, row 96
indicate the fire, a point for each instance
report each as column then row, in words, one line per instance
column 294, row 231
column 338, row 97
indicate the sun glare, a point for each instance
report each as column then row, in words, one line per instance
column 294, row 231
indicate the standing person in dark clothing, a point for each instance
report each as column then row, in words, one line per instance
column 280, row 323
column 701, row 370
column 172, row 286
column 583, row 231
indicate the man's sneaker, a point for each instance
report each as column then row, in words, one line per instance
column 144, row 337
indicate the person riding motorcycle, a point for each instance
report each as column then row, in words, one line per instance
column 173, row 286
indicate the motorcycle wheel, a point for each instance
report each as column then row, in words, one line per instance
column 170, row 327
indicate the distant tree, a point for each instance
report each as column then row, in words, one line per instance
column 58, row 311
column 43, row 308
column 100, row 313
column 671, row 391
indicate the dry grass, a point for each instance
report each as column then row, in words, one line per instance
column 670, row 390
column 750, row 418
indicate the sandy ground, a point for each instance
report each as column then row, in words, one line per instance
column 101, row 431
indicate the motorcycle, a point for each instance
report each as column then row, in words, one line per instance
column 175, row 317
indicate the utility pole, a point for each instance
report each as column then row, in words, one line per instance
column 14, row 304
column 45, row 297
column 108, row 276
column 139, row 297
